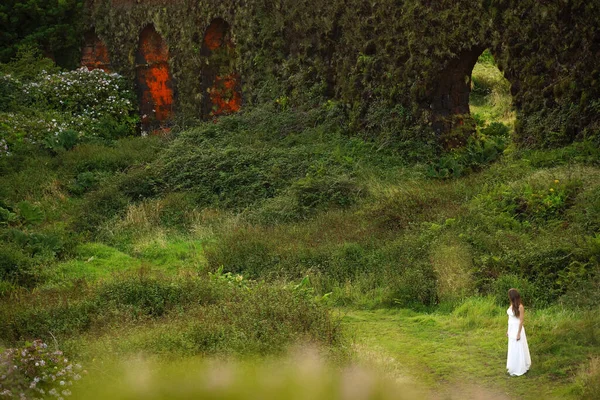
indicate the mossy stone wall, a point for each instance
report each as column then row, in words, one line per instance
column 416, row 54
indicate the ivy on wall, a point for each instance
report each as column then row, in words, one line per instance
column 405, row 59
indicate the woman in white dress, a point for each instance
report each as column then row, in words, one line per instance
column 518, row 360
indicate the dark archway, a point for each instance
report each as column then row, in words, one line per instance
column 451, row 98
column 94, row 54
column 458, row 92
column 220, row 82
column 154, row 82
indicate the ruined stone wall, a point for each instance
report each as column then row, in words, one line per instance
column 414, row 55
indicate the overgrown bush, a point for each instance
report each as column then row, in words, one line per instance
column 56, row 110
column 35, row 371
column 530, row 294
column 16, row 265
column 416, row 286
column 589, row 379
column 236, row 164
column 224, row 315
column 536, row 202
column 98, row 207
column 586, row 210
column 477, row 154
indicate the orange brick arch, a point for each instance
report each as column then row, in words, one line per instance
column 94, row 54
column 220, row 81
column 154, row 81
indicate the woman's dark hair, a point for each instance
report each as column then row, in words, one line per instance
column 515, row 300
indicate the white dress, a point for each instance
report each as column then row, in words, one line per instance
column 518, row 360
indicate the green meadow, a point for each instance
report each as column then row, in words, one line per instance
column 271, row 254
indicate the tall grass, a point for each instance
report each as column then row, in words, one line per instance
column 180, row 315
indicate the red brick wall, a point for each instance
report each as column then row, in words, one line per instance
column 94, row 54
column 224, row 89
column 154, row 83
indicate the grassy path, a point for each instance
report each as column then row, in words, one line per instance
column 445, row 358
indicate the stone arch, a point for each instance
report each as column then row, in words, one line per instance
column 154, row 81
column 220, row 82
column 94, row 54
column 451, row 98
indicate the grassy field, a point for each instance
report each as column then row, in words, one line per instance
column 383, row 263
column 451, row 354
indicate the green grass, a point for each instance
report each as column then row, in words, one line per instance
column 92, row 261
column 116, row 248
column 490, row 99
column 446, row 351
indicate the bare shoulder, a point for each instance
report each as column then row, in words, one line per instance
column 521, row 308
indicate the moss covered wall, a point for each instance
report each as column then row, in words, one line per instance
column 412, row 54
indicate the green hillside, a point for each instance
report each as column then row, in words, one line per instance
column 243, row 237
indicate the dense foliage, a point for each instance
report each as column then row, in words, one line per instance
column 407, row 60
column 51, row 26
column 57, row 110
column 35, row 371
column 235, row 236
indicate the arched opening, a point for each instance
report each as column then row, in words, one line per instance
column 220, row 82
column 451, row 99
column 94, row 54
column 154, row 83
column 490, row 100
column 471, row 93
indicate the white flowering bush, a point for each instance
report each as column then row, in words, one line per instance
column 94, row 94
column 57, row 110
column 36, row 372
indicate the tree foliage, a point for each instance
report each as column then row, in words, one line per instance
column 51, row 25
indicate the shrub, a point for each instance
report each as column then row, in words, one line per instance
column 586, row 210
column 307, row 196
column 144, row 296
column 264, row 320
column 415, row 287
column 58, row 110
column 27, row 65
column 393, row 127
column 223, row 314
column 241, row 161
column 16, row 265
column 98, row 207
column 496, row 129
column 7, row 216
column 477, row 154
column 84, row 182
column 589, row 379
column 9, row 92
column 537, row 201
column 35, row 371
column 140, row 182
column 242, row 251
column 29, row 213
column 530, row 295
column 122, row 155
column 315, row 192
